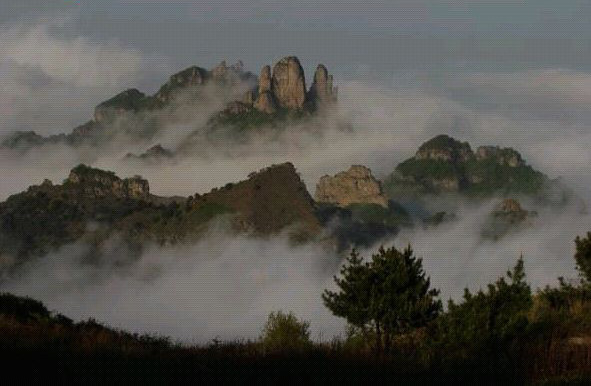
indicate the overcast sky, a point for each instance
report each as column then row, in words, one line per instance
column 59, row 58
column 510, row 73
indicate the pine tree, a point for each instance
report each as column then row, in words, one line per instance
column 387, row 296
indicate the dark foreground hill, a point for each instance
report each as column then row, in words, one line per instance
column 503, row 334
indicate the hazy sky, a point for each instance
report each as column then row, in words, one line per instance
column 512, row 73
column 384, row 35
column 60, row 58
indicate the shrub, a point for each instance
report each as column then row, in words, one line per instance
column 583, row 257
column 284, row 331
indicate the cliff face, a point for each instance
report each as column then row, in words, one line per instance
column 354, row 186
column 285, row 87
column 265, row 101
column 289, row 83
column 99, row 183
column 322, row 91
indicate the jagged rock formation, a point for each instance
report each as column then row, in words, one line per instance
column 289, row 83
column 95, row 183
column 192, row 76
column 283, row 89
column 510, row 205
column 445, row 165
column 507, row 216
column 322, row 91
column 505, row 156
column 354, row 186
column 92, row 205
column 267, row 201
column 444, row 148
column 265, row 101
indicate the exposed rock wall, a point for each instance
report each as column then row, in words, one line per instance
column 99, row 183
column 322, row 90
column 265, row 101
column 289, row 83
column 354, row 186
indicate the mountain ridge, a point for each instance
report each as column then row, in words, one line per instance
column 272, row 94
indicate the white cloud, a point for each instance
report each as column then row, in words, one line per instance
column 51, row 82
column 77, row 60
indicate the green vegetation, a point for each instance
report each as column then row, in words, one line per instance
column 421, row 169
column 504, row 333
column 445, row 142
column 46, row 216
column 493, row 177
column 254, row 119
column 583, row 257
column 487, row 328
column 385, row 297
column 285, row 332
column 444, row 165
column 130, row 100
column 393, row 216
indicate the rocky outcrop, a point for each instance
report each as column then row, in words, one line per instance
column 220, row 72
column 510, row 205
column 506, row 156
column 192, row 76
column 445, row 148
column 265, row 79
column 128, row 100
column 289, row 83
column 354, row 186
column 285, row 87
column 322, row 91
column 231, row 75
column 265, row 101
column 98, row 183
column 507, row 216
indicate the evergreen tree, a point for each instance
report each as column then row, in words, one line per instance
column 387, row 296
column 583, row 257
column 486, row 323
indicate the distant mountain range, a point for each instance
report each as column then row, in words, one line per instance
column 352, row 208
column 248, row 102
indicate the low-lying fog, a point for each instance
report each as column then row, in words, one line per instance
column 225, row 286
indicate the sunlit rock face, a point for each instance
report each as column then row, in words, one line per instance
column 322, row 91
column 100, row 183
column 289, row 83
column 265, row 101
column 354, row 186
